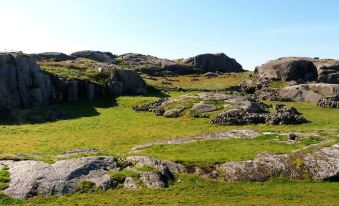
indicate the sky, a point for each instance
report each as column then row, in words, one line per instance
column 251, row 31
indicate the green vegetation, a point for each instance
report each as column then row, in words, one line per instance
column 4, row 178
column 278, row 84
column 114, row 128
column 193, row 190
column 198, row 81
column 86, row 187
column 77, row 70
column 208, row 152
column 121, row 175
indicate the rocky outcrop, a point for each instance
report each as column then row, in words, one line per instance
column 95, row 55
column 30, row 178
column 322, row 164
column 283, row 115
column 287, row 69
column 309, row 92
column 328, row 70
column 200, row 105
column 301, row 69
column 203, row 63
column 330, row 102
column 22, row 84
column 214, row 62
column 54, row 56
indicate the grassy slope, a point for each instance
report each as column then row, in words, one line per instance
column 197, row 191
column 114, row 130
column 185, row 81
column 209, row 152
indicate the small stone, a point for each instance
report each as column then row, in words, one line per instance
column 292, row 136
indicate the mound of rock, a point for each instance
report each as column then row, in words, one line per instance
column 330, row 102
column 328, row 70
column 301, row 69
column 95, row 55
column 203, row 63
column 200, row 105
column 283, row 115
column 214, row 62
column 289, row 68
column 322, row 164
column 309, row 92
column 54, row 56
column 30, row 178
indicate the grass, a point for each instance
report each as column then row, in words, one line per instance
column 115, row 130
column 208, row 152
column 193, row 190
column 278, row 84
column 75, row 71
column 186, row 81
column 4, row 178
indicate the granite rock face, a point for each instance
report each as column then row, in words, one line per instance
column 30, row 178
column 214, row 62
column 313, row 92
column 22, row 83
column 289, row 68
column 322, row 164
column 302, row 69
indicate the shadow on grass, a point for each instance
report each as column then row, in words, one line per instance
column 52, row 113
column 155, row 92
column 65, row 111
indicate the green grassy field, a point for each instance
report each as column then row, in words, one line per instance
column 198, row 81
column 208, row 152
column 111, row 126
column 114, row 128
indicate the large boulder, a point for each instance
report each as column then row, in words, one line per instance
column 214, row 62
column 22, row 83
column 95, row 55
column 309, row 92
column 54, row 56
column 328, row 70
column 30, row 178
column 288, row 69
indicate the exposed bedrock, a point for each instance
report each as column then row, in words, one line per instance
column 301, row 69
column 322, row 164
column 24, row 85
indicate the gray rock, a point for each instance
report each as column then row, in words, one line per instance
column 130, row 184
column 210, row 74
column 156, row 163
column 289, row 68
column 202, row 107
column 214, row 62
column 54, row 56
column 309, row 92
column 153, row 180
column 322, row 164
column 175, row 112
column 30, row 178
column 328, row 70
column 22, row 84
column 330, row 102
column 300, row 93
column 95, row 55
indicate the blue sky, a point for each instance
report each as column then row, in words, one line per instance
column 252, row 31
